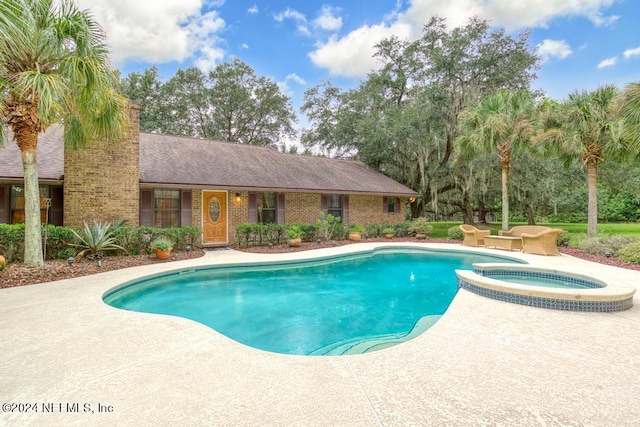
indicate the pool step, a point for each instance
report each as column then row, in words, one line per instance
column 361, row 345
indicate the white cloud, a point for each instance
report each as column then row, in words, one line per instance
column 329, row 19
column 631, row 52
column 160, row 31
column 553, row 49
column 350, row 55
column 253, row 9
column 609, row 62
column 293, row 77
column 299, row 18
column 296, row 78
column 244, row 46
column 353, row 54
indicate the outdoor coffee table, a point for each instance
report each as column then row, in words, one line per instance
column 503, row 242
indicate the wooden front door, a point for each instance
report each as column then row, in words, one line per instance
column 214, row 216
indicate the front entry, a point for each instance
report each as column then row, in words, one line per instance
column 214, row 216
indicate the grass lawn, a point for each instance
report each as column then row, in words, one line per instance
column 626, row 229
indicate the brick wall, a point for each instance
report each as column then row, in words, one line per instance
column 365, row 210
column 302, row 207
column 102, row 181
column 305, row 208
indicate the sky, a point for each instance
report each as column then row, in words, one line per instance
column 299, row 44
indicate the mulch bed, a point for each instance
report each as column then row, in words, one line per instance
column 18, row 275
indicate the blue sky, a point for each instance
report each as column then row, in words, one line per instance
column 584, row 43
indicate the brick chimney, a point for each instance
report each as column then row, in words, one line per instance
column 102, row 181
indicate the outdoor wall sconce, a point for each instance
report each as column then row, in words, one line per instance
column 237, row 197
column 412, row 199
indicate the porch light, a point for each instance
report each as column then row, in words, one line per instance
column 237, row 197
column 412, row 199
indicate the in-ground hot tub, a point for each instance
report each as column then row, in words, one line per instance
column 546, row 288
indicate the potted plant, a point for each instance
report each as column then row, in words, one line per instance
column 389, row 232
column 162, row 247
column 294, row 234
column 355, row 232
column 420, row 228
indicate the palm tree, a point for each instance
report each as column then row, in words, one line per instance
column 500, row 122
column 630, row 114
column 54, row 67
column 584, row 127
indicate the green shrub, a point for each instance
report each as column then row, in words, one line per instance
column 605, row 244
column 58, row 241
column 309, row 232
column 630, row 252
column 573, row 217
column 454, row 233
column 12, row 242
column 330, row 227
column 563, row 238
column 254, row 234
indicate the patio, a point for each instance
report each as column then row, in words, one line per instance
column 485, row 362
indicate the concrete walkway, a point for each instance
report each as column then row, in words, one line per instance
column 486, row 362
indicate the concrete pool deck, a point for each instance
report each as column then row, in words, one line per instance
column 485, row 362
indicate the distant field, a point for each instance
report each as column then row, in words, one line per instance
column 626, row 229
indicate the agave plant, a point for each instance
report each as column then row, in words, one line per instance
column 96, row 239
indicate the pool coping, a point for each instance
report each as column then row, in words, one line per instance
column 484, row 362
column 609, row 292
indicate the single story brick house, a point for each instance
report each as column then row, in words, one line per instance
column 160, row 180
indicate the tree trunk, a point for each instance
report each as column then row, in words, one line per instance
column 482, row 212
column 505, row 199
column 531, row 218
column 592, row 185
column 468, row 211
column 32, row 230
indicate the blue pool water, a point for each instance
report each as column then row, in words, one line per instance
column 343, row 305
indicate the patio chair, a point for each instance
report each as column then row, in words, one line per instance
column 473, row 236
column 543, row 243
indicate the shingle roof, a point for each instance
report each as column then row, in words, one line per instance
column 170, row 160
column 50, row 156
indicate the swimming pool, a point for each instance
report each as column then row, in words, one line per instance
column 340, row 305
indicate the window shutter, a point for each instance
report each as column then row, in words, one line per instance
column 280, row 208
column 385, row 204
column 253, row 208
column 3, row 204
column 57, row 204
column 345, row 209
column 397, row 205
column 146, row 208
column 323, row 203
column 185, row 208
